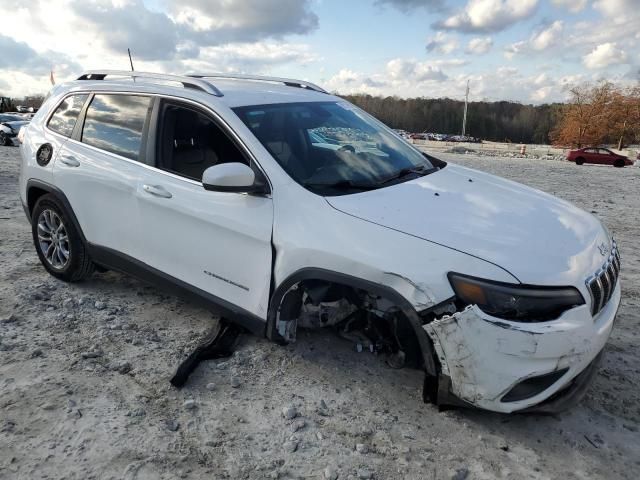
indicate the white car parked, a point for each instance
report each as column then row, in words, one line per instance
column 286, row 207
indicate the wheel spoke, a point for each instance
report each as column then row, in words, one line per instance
column 46, row 215
column 43, row 226
column 59, row 256
column 49, row 253
column 64, row 252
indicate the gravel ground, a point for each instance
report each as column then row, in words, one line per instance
column 84, row 369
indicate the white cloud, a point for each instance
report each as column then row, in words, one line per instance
column 574, row 6
column 540, row 40
column 489, row 15
column 95, row 35
column 616, row 8
column 479, row 45
column 547, row 37
column 441, row 43
column 604, row 55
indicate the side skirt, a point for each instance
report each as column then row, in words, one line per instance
column 115, row 260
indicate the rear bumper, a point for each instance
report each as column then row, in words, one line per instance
column 483, row 358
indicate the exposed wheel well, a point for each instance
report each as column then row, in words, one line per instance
column 376, row 299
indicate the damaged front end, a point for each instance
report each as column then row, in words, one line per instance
column 508, row 366
column 471, row 358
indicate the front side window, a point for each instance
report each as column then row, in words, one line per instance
column 189, row 142
column 115, row 123
column 64, row 118
column 333, row 148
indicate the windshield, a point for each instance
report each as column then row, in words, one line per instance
column 333, row 148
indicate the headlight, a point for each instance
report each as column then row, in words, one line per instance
column 521, row 303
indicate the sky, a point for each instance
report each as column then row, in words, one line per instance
column 529, row 51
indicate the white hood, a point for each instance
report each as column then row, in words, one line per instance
column 538, row 238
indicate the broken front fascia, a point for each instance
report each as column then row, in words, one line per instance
column 485, row 357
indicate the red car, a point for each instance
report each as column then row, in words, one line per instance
column 598, row 155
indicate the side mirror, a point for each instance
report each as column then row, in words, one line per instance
column 230, row 177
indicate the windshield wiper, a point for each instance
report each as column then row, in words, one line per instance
column 342, row 185
column 420, row 170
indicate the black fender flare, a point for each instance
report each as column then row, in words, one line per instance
column 60, row 196
column 312, row 273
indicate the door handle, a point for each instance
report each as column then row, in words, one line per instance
column 69, row 160
column 157, row 190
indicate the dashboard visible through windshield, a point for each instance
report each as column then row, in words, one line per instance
column 333, row 148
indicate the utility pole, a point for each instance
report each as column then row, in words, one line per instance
column 464, row 117
column 130, row 61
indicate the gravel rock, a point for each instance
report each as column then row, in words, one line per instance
column 298, row 425
column 190, row 404
column 362, row 448
column 364, row 474
column 100, row 305
column 211, row 386
column 290, row 412
column 136, row 412
column 290, row 446
column 331, row 473
column 120, row 366
column 461, row 474
column 172, row 425
column 235, row 382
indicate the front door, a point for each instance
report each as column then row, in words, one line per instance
column 219, row 243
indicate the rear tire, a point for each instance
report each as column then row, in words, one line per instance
column 58, row 243
column 579, row 161
column 4, row 140
column 618, row 163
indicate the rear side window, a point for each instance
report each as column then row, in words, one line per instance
column 64, row 118
column 115, row 123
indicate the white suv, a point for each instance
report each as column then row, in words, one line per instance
column 285, row 207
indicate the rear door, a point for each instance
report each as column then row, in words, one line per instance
column 99, row 168
column 45, row 140
column 219, row 243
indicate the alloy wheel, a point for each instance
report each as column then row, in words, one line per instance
column 53, row 239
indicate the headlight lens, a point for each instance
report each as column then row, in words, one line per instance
column 521, row 303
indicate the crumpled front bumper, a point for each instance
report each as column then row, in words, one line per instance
column 483, row 358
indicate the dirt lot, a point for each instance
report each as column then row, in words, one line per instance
column 84, row 371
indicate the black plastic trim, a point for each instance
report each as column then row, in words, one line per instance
column 532, row 386
column 115, row 260
column 402, row 303
column 32, row 182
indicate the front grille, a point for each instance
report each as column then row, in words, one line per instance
column 603, row 283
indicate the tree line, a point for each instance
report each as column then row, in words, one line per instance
column 599, row 114
column 497, row 121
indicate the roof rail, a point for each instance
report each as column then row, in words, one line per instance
column 186, row 81
column 287, row 81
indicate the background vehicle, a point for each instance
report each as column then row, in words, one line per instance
column 598, row 156
column 9, row 129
